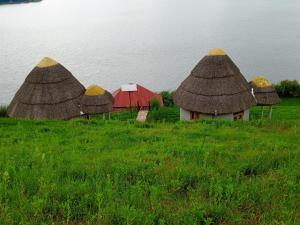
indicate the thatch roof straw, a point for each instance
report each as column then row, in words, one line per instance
column 50, row 91
column 215, row 86
column 264, row 92
column 96, row 100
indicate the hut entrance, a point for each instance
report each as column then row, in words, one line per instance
column 238, row 115
column 194, row 116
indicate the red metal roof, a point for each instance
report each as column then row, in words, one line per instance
column 140, row 98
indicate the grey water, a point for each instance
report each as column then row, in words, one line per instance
column 152, row 42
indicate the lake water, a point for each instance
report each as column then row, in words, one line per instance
column 152, row 42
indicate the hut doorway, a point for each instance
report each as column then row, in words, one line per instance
column 194, row 116
column 238, row 115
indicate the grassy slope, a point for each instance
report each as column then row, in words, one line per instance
column 114, row 172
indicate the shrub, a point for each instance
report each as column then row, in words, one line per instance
column 168, row 114
column 3, row 111
column 288, row 88
column 167, row 98
column 155, row 104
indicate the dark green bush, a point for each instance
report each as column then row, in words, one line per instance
column 288, row 88
column 155, row 104
column 3, row 111
column 167, row 98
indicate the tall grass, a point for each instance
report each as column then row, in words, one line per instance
column 124, row 172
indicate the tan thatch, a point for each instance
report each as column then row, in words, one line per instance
column 215, row 86
column 96, row 100
column 265, row 94
column 50, row 91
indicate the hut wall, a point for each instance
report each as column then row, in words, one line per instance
column 184, row 114
column 225, row 117
column 246, row 115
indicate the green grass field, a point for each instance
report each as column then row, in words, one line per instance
column 169, row 172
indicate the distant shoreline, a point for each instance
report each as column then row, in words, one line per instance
column 10, row 2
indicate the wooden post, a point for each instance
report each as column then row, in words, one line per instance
column 262, row 111
column 103, row 116
column 109, row 115
column 270, row 112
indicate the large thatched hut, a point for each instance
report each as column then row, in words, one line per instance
column 215, row 89
column 264, row 93
column 50, row 91
column 96, row 100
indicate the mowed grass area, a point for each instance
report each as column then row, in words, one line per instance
column 124, row 172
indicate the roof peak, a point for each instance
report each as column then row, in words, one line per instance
column 94, row 90
column 216, row 52
column 261, row 82
column 47, row 62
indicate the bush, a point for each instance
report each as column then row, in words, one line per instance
column 288, row 88
column 167, row 114
column 3, row 111
column 167, row 98
column 155, row 104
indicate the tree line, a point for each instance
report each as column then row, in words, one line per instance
column 288, row 89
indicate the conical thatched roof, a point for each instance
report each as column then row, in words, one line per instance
column 215, row 86
column 96, row 100
column 265, row 93
column 50, row 91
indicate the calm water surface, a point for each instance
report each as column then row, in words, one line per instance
column 152, row 42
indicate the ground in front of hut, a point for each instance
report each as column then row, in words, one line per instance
column 125, row 172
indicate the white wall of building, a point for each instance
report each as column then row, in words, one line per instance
column 185, row 115
column 225, row 117
column 246, row 114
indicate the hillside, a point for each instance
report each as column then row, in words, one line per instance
column 123, row 172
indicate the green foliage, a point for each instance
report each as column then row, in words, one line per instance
column 124, row 172
column 167, row 114
column 167, row 98
column 124, row 115
column 287, row 88
column 3, row 111
column 154, row 104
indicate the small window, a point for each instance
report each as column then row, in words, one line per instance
column 238, row 115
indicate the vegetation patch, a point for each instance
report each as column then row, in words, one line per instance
column 125, row 172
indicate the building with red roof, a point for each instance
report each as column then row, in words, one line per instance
column 134, row 96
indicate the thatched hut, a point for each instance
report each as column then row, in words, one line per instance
column 215, row 89
column 264, row 93
column 96, row 100
column 50, row 91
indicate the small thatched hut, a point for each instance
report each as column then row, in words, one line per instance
column 215, row 89
column 264, row 93
column 96, row 100
column 50, row 91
